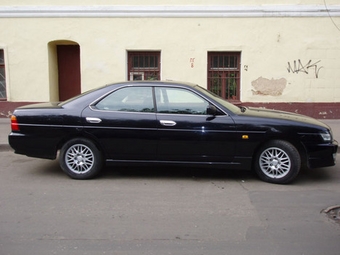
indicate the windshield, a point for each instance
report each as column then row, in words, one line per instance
column 220, row 100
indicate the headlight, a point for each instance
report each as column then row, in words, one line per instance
column 326, row 137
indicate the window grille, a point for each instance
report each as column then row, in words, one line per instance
column 144, row 65
column 224, row 74
column 2, row 76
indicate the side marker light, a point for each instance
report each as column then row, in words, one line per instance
column 245, row 137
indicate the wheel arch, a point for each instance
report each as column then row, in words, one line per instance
column 85, row 136
column 80, row 158
column 295, row 142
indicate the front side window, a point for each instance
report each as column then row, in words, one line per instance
column 129, row 99
column 144, row 65
column 3, row 94
column 179, row 101
column 224, row 74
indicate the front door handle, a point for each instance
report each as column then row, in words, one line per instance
column 167, row 123
column 93, row 120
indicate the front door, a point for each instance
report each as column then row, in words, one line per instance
column 187, row 133
column 68, row 71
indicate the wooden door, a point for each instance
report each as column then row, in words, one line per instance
column 68, row 71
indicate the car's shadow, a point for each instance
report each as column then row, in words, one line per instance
column 167, row 172
column 52, row 169
column 306, row 176
column 318, row 175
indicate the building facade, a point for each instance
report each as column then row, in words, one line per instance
column 254, row 53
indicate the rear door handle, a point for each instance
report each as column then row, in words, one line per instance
column 167, row 123
column 93, row 120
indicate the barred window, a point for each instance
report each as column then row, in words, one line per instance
column 144, row 65
column 224, row 74
column 2, row 76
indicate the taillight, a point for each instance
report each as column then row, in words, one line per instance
column 14, row 123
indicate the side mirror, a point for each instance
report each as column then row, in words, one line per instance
column 211, row 110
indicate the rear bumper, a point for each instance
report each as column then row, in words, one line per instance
column 322, row 155
column 31, row 146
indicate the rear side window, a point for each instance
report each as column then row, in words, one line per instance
column 128, row 99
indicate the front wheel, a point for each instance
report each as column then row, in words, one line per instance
column 277, row 162
column 80, row 159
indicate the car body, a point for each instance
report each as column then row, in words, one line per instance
column 155, row 122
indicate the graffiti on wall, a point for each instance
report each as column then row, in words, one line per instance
column 309, row 67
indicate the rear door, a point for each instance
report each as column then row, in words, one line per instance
column 187, row 133
column 124, row 122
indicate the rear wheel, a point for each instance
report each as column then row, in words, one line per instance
column 80, row 159
column 277, row 162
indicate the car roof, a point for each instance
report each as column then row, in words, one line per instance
column 156, row 83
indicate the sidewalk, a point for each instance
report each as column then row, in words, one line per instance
column 335, row 125
column 5, row 129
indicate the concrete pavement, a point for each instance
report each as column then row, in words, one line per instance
column 335, row 125
column 5, row 128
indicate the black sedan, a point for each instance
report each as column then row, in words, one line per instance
column 169, row 123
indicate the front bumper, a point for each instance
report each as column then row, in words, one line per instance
column 322, row 155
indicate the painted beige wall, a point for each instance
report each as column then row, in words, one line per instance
column 267, row 46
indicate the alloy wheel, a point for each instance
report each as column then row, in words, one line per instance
column 275, row 162
column 79, row 158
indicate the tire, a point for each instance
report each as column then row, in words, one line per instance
column 80, row 159
column 277, row 162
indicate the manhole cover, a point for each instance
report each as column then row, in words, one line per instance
column 333, row 212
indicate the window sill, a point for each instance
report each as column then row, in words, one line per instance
column 234, row 101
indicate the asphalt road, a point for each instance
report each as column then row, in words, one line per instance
column 163, row 211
